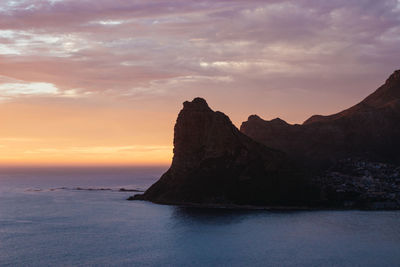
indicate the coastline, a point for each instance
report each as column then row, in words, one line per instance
column 263, row 207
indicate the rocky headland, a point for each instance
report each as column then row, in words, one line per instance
column 346, row 160
column 214, row 163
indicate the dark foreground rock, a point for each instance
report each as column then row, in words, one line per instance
column 214, row 163
column 345, row 160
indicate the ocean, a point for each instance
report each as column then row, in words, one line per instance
column 46, row 221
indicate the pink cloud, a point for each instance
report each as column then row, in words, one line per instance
column 124, row 47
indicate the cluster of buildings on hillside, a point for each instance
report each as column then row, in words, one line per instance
column 366, row 184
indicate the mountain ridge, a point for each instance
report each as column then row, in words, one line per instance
column 368, row 129
column 384, row 95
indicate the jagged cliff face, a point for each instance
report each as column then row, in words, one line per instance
column 215, row 163
column 368, row 130
column 201, row 134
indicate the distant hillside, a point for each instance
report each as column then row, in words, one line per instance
column 369, row 130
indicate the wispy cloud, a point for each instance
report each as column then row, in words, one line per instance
column 13, row 88
column 16, row 89
column 169, row 39
column 120, row 45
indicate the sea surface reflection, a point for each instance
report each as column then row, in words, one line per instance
column 44, row 227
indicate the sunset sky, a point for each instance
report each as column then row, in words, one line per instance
column 101, row 81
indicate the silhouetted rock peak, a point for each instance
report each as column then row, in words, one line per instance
column 279, row 121
column 197, row 104
column 215, row 163
column 394, row 78
column 201, row 132
column 386, row 96
column 254, row 118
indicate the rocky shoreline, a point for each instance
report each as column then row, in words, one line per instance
column 348, row 185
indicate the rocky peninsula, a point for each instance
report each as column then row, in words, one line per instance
column 346, row 160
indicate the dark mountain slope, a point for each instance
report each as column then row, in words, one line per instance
column 369, row 130
column 214, row 163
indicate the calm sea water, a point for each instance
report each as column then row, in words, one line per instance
column 44, row 227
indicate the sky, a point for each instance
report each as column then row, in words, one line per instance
column 100, row 82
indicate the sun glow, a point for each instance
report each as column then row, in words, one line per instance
column 26, row 152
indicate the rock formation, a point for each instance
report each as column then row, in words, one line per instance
column 351, row 158
column 214, row 163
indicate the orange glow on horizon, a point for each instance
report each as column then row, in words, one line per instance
column 69, row 133
column 29, row 154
